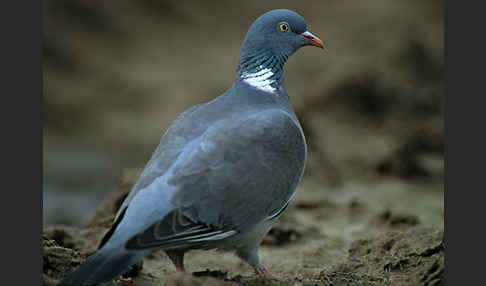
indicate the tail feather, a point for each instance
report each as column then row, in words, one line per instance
column 103, row 266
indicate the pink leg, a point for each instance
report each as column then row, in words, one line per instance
column 177, row 258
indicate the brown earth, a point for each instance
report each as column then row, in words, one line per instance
column 370, row 208
column 351, row 235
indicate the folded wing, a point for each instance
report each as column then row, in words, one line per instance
column 240, row 172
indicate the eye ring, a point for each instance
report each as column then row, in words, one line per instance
column 283, row 27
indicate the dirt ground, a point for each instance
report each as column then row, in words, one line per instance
column 370, row 208
column 387, row 233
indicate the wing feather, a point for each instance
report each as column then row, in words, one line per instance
column 240, row 172
column 175, row 231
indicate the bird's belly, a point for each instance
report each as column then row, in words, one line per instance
column 247, row 240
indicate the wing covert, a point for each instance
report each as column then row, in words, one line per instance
column 242, row 171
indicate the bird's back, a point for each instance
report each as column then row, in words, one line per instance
column 232, row 106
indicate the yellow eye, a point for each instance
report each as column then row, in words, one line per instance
column 284, row 27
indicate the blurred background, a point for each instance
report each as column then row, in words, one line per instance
column 116, row 73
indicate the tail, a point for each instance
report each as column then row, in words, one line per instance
column 102, row 266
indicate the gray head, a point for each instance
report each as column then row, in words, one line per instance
column 271, row 40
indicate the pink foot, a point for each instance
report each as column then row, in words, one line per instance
column 262, row 271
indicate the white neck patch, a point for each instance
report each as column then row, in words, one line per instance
column 260, row 79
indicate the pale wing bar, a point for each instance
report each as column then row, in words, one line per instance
column 175, row 231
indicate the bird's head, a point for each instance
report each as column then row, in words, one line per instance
column 271, row 40
column 280, row 31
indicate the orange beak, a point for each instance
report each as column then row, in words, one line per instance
column 312, row 40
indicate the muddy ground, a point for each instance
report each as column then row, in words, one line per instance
column 370, row 208
column 386, row 233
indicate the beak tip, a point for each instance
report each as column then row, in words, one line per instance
column 317, row 43
column 312, row 40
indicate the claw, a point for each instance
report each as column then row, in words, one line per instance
column 262, row 271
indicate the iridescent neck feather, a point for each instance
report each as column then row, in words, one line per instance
column 262, row 70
